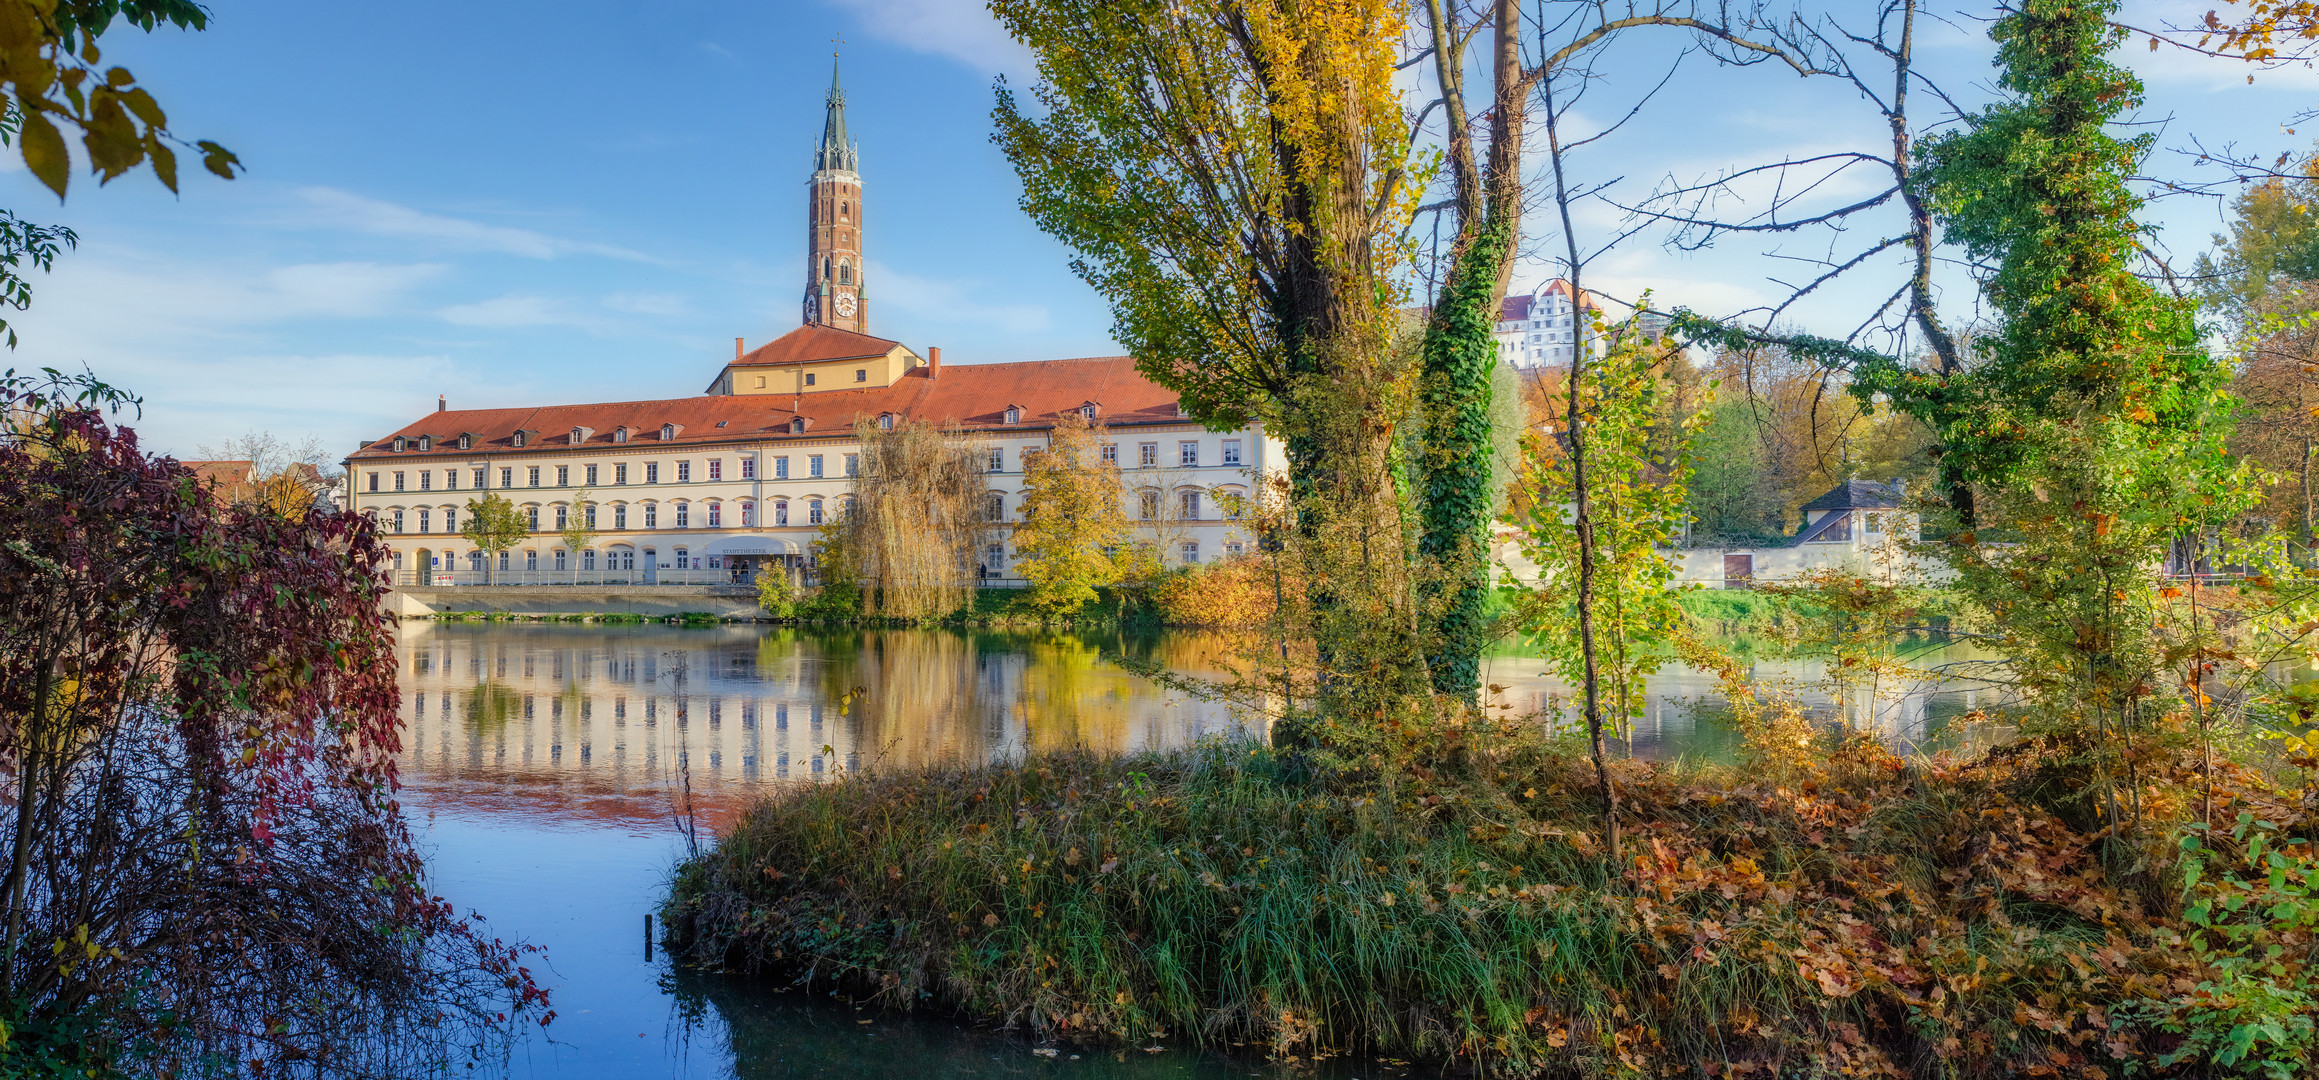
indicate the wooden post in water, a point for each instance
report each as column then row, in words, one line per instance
column 647, row 937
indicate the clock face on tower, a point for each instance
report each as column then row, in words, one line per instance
column 845, row 304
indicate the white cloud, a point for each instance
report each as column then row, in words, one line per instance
column 333, row 208
column 518, row 311
column 962, row 30
column 953, row 301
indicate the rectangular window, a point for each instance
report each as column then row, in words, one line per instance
column 781, row 467
column 1191, row 506
column 589, row 515
column 398, row 521
column 426, row 480
column 619, row 517
column 1150, row 505
column 651, row 516
column 1147, row 455
column 683, row 515
column 716, row 468
column 748, row 468
column 813, row 465
column 684, row 472
column 861, row 374
column 748, row 515
column 479, row 473
column 780, row 513
column 716, row 514
column 506, row 476
column 651, row 472
column 374, row 481
column 853, row 464
column 450, row 479
column 995, row 556
column 620, row 473
column 588, row 559
column 1111, row 453
column 1231, row 451
column 530, row 562
column 1187, row 453
column 422, row 521
column 1191, row 551
column 1233, row 548
column 450, row 520
column 998, row 459
column 813, row 511
column 398, row 481
column 809, row 378
column 531, row 518
column 560, row 558
column 563, row 476
column 531, row 475
column 503, row 560
column 590, row 472
column 563, row 518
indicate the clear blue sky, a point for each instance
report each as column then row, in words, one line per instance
column 520, row 202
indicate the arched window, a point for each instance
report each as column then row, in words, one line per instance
column 994, row 506
column 845, row 272
column 842, row 207
column 825, row 268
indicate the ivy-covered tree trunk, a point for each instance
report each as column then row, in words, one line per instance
column 1461, row 352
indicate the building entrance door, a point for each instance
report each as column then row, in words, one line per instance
column 651, row 566
column 426, row 560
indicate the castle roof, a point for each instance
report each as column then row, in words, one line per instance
column 1857, row 495
column 973, row 397
column 815, row 343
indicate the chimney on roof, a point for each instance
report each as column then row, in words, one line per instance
column 442, row 402
column 737, row 348
column 933, row 360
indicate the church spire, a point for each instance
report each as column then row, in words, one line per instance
column 836, row 150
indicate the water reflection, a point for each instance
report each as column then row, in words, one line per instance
column 544, row 761
column 567, row 715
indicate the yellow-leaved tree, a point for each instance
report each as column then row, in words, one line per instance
column 1074, row 530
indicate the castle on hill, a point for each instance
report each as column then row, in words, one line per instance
column 716, row 486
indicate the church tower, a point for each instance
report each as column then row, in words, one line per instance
column 833, row 248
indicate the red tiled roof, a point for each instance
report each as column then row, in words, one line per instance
column 973, row 396
column 809, row 344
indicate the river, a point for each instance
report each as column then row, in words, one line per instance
column 544, row 764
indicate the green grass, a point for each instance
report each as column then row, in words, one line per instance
column 1226, row 896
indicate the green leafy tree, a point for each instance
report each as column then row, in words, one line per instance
column 2096, row 424
column 2274, row 238
column 579, row 528
column 493, row 525
column 1073, row 527
column 1640, row 497
column 1235, row 178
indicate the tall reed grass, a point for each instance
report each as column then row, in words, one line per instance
column 1862, row 916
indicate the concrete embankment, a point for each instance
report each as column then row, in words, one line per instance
column 723, row 601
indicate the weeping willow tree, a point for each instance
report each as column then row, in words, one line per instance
column 908, row 535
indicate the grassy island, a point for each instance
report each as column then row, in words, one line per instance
column 1848, row 915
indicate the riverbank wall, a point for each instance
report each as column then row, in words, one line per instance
column 722, row 601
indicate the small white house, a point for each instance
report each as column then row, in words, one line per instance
column 1858, row 525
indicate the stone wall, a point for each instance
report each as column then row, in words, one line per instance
column 724, row 601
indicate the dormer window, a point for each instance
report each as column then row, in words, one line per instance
column 1014, row 414
column 1087, row 412
column 797, row 425
column 885, row 421
column 668, row 433
column 579, row 435
column 620, row 434
column 426, row 442
column 521, row 437
column 466, row 441
column 400, row 444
